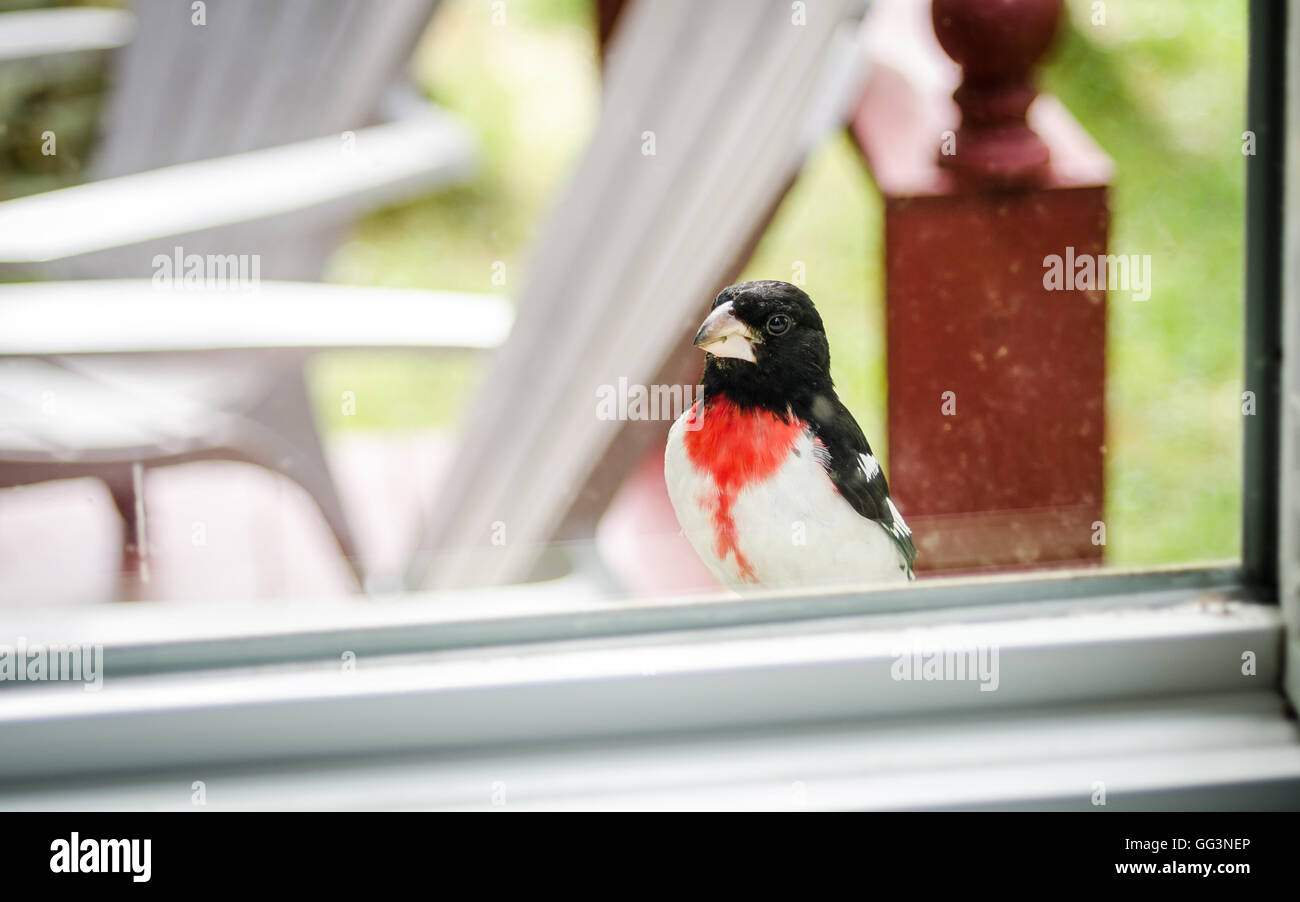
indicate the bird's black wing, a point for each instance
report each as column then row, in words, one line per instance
column 855, row 471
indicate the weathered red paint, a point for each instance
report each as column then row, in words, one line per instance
column 997, row 43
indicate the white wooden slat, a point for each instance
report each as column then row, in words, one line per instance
column 234, row 47
column 318, row 103
column 264, row 90
column 254, row 75
column 131, row 316
column 292, row 100
column 379, row 52
column 35, row 33
column 69, row 414
column 389, row 161
column 145, row 113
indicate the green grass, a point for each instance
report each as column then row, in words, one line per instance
column 1161, row 87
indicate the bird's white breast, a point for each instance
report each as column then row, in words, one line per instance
column 793, row 528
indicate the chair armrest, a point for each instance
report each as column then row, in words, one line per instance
column 131, row 316
column 46, row 32
column 345, row 173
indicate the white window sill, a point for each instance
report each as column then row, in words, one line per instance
column 1147, row 688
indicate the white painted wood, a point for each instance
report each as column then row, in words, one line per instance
column 1185, row 748
column 132, row 316
column 30, row 34
column 388, row 162
column 639, row 686
column 49, row 410
column 254, row 75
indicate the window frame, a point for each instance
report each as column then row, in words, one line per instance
column 1266, row 117
column 1104, row 650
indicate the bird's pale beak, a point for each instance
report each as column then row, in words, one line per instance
column 722, row 335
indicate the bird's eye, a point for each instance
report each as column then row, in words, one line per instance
column 778, row 323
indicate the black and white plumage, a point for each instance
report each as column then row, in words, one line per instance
column 771, row 478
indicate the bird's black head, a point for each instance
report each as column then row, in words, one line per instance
column 766, row 347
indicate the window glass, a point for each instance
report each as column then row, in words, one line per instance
column 1047, row 368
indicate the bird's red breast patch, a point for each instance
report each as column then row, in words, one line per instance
column 736, row 447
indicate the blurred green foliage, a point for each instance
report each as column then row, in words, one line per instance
column 63, row 95
column 1162, row 87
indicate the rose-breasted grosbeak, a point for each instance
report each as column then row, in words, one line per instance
column 772, row 480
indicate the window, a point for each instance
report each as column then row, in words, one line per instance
column 551, row 598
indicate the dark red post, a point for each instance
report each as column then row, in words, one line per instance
column 996, row 384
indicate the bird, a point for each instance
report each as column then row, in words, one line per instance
column 771, row 478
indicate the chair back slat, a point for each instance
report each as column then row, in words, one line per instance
column 256, row 74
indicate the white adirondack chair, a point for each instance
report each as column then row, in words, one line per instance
column 262, row 130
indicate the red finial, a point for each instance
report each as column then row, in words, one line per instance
column 997, row 43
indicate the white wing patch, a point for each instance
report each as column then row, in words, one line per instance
column 870, row 466
column 898, row 518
